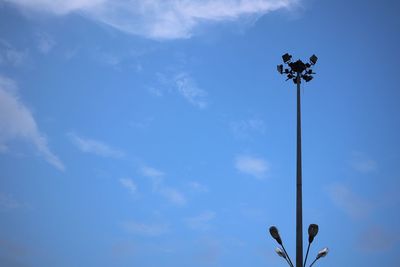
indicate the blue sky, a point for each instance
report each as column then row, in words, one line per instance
column 158, row 133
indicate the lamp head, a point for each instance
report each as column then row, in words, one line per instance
column 280, row 253
column 312, row 232
column 286, row 58
column 322, row 253
column 275, row 234
column 280, row 68
column 313, row 59
column 307, row 77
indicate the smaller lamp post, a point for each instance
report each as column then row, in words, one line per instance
column 281, row 251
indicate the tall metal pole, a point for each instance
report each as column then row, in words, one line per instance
column 296, row 71
column 299, row 201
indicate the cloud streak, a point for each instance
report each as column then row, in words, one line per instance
column 201, row 221
column 129, row 184
column 157, row 179
column 345, row 199
column 361, row 163
column 146, row 229
column 158, row 19
column 189, row 90
column 253, row 166
column 377, row 238
column 17, row 122
column 245, row 128
column 95, row 147
column 8, row 202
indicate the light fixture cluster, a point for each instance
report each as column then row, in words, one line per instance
column 281, row 251
column 297, row 69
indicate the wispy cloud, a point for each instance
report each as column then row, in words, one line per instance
column 8, row 202
column 159, row 19
column 147, row 229
column 96, row 147
column 247, row 127
column 17, row 122
column 198, row 187
column 11, row 56
column 173, row 195
column 129, row 184
column 201, row 221
column 190, row 91
column 151, row 172
column 181, row 83
column 348, row 201
column 45, row 42
column 256, row 167
column 361, row 163
column 377, row 238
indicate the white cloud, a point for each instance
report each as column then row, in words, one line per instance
column 201, row 221
column 377, row 238
column 151, row 172
column 172, row 195
column 157, row 179
column 253, row 166
column 145, row 229
column 129, row 184
column 95, row 147
column 198, row 187
column 181, row 83
column 189, row 90
column 348, row 201
column 17, row 122
column 10, row 55
column 8, row 202
column 45, row 43
column 245, row 128
column 159, row 19
column 362, row 163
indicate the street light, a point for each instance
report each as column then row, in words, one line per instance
column 275, row 235
column 296, row 71
column 312, row 232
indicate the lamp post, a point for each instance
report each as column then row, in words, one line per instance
column 298, row 71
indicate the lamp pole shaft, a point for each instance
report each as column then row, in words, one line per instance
column 299, row 205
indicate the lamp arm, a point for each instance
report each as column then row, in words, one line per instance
column 308, row 249
column 287, row 255
column 313, row 262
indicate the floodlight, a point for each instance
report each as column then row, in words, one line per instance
column 286, row 58
column 313, row 59
column 312, row 232
column 307, row 78
column 280, row 68
column 322, row 253
column 280, row 253
column 275, row 234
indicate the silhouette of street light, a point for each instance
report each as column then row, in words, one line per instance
column 296, row 71
column 312, row 232
column 275, row 235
